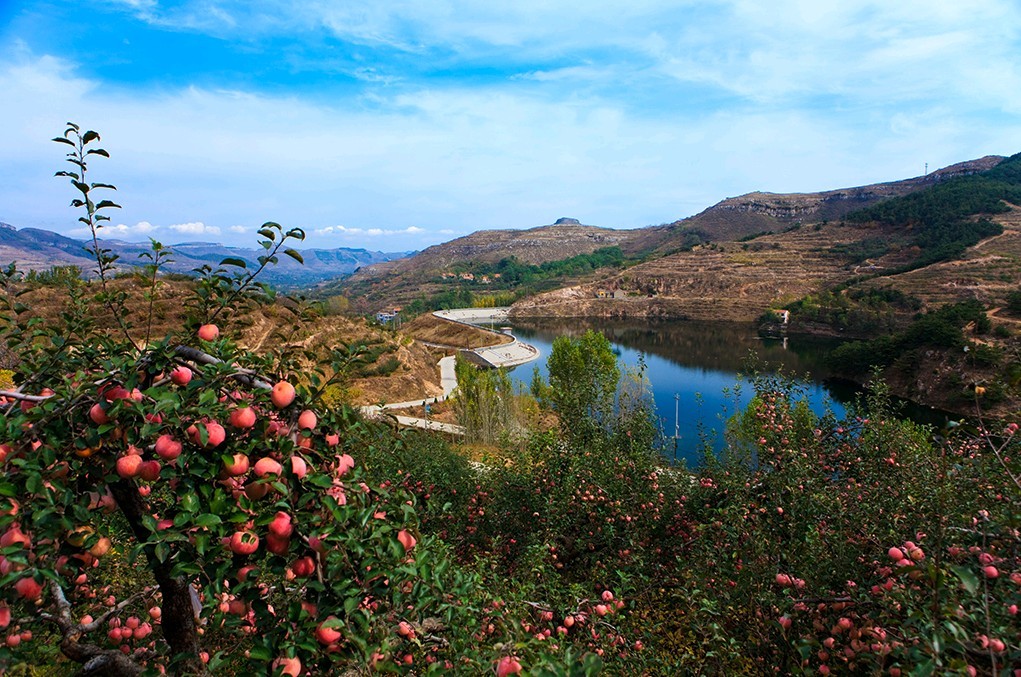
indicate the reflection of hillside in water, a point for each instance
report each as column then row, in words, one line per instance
column 715, row 346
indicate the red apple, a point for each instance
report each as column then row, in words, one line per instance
column 508, row 665
column 181, row 375
column 149, row 471
column 303, row 567
column 242, row 417
column 98, row 415
column 256, row 490
column 167, row 447
column 209, row 332
column 328, row 635
column 281, row 525
column 237, row 466
column 307, row 420
column 282, row 395
column 267, row 466
column 244, row 542
column 289, row 666
column 216, row 434
column 344, row 463
column 299, row 467
column 277, row 545
column 27, row 588
column 129, row 465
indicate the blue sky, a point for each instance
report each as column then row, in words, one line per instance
column 395, row 125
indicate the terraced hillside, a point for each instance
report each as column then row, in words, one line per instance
column 987, row 272
column 430, row 273
column 726, row 281
column 955, row 240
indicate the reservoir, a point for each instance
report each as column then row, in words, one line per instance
column 698, row 372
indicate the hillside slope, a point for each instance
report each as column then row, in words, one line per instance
column 422, row 275
column 759, row 212
column 915, row 243
column 393, row 367
column 399, row 281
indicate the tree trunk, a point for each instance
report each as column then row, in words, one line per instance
column 178, row 620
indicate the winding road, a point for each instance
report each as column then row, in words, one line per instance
column 503, row 355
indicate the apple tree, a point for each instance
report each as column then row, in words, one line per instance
column 182, row 505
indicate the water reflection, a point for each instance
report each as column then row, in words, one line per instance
column 720, row 346
column 695, row 369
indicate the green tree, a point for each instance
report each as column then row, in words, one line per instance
column 483, row 402
column 583, row 376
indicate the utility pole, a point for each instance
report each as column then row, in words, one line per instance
column 677, row 423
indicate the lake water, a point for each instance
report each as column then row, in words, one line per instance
column 695, row 372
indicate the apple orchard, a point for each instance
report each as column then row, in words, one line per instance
column 179, row 504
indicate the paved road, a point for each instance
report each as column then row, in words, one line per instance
column 413, row 422
column 448, row 376
column 503, row 355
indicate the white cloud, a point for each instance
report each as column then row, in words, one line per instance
column 140, row 228
column 195, row 228
column 630, row 114
column 372, row 232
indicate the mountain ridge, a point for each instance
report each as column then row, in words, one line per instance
column 733, row 219
column 38, row 249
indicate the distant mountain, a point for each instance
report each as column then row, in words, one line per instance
column 427, row 273
column 423, row 273
column 758, row 212
column 35, row 249
column 950, row 236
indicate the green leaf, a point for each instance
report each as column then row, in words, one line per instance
column 97, row 151
column 189, row 503
column 103, row 204
column 61, row 139
column 266, row 232
column 261, row 653
column 89, row 136
column 236, row 262
column 207, row 521
column 295, row 255
column 968, row 578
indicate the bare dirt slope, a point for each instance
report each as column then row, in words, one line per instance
column 431, row 329
column 399, row 370
column 725, row 281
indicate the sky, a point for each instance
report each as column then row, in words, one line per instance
column 400, row 124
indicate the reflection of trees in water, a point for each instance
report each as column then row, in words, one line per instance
column 721, row 346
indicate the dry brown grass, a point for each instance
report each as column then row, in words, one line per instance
column 262, row 329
